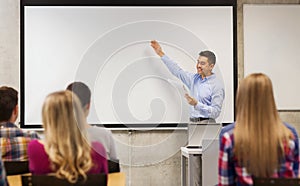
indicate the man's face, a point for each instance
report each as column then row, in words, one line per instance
column 203, row 67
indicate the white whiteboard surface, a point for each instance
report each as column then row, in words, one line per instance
column 108, row 48
column 272, row 46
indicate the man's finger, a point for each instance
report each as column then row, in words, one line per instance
column 187, row 96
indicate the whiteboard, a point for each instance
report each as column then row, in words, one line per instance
column 272, row 46
column 108, row 48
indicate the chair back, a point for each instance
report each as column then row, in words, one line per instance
column 50, row 180
column 113, row 166
column 276, row 181
column 16, row 167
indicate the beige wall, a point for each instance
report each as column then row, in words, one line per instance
column 165, row 168
column 9, row 43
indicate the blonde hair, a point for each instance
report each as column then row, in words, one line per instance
column 65, row 136
column 259, row 133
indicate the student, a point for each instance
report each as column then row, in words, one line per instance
column 13, row 140
column 66, row 150
column 102, row 135
column 258, row 144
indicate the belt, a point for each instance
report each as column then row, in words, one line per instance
column 198, row 119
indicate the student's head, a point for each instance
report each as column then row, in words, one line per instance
column 84, row 94
column 8, row 104
column 65, row 135
column 259, row 133
column 206, row 63
column 255, row 98
column 63, row 110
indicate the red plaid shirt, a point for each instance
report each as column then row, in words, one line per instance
column 14, row 141
column 231, row 173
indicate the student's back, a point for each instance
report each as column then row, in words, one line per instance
column 13, row 140
column 103, row 136
column 99, row 134
column 66, row 150
column 40, row 164
column 259, row 144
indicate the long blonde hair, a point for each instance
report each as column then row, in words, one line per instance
column 65, row 136
column 259, row 133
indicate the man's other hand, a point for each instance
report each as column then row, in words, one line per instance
column 191, row 100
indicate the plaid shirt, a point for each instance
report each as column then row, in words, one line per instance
column 14, row 142
column 3, row 180
column 231, row 173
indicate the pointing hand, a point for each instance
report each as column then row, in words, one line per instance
column 157, row 48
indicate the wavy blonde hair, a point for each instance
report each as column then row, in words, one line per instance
column 65, row 136
column 259, row 133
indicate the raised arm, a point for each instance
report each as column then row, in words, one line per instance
column 157, row 48
column 174, row 68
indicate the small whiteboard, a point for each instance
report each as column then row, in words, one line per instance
column 272, row 46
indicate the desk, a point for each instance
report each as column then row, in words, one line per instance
column 116, row 179
column 14, row 180
column 187, row 153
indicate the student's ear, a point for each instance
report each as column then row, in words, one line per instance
column 87, row 109
column 87, row 106
column 14, row 114
column 16, row 110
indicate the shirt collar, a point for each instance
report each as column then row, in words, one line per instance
column 8, row 125
column 212, row 76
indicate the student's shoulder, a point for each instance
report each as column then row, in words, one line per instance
column 26, row 133
column 33, row 134
column 289, row 126
column 227, row 129
column 98, row 148
column 35, row 143
column 35, row 147
column 96, row 144
column 99, row 130
column 292, row 129
column 18, row 132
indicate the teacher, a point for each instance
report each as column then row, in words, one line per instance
column 206, row 89
column 207, row 94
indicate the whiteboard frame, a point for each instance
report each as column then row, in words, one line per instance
column 24, row 3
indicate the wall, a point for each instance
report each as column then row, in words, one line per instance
column 9, row 43
column 164, row 166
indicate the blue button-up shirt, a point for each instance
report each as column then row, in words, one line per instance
column 208, row 91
